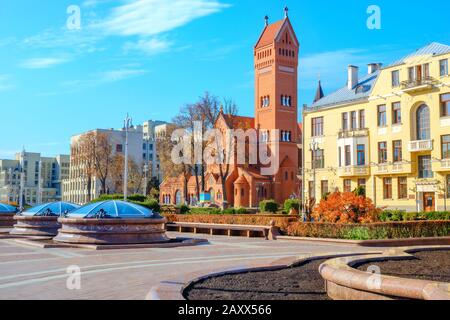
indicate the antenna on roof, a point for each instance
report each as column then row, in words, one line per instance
column 266, row 19
column 286, row 12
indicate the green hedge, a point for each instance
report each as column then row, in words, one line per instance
column 291, row 204
column 373, row 231
column 400, row 215
column 268, row 206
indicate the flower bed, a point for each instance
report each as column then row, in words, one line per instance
column 253, row 220
column 372, row 231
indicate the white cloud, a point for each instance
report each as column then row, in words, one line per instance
column 149, row 47
column 120, row 74
column 153, row 17
column 42, row 63
column 5, row 83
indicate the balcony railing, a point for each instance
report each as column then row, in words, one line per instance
column 420, row 145
column 419, row 84
column 353, row 133
column 383, row 168
column 445, row 163
column 354, row 171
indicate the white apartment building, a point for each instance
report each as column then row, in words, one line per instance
column 75, row 187
column 150, row 153
column 42, row 178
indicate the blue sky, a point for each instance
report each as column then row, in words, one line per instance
column 149, row 57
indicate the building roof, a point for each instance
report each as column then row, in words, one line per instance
column 434, row 49
column 366, row 84
column 344, row 95
column 239, row 122
column 269, row 34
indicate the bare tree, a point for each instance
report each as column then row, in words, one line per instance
column 82, row 158
column 135, row 174
column 102, row 159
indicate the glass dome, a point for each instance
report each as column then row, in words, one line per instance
column 51, row 209
column 113, row 209
column 6, row 208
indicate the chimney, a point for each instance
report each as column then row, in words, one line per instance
column 373, row 67
column 352, row 77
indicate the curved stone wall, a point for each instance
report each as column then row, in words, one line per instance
column 7, row 220
column 346, row 283
column 111, row 231
column 35, row 226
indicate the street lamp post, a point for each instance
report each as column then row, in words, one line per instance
column 127, row 125
column 145, row 179
column 22, row 179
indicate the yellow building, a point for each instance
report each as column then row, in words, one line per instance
column 388, row 131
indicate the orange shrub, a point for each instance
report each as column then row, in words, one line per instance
column 346, row 208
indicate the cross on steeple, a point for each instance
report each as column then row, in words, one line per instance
column 286, row 12
column 266, row 19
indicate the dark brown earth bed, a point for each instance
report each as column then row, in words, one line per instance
column 427, row 265
column 302, row 282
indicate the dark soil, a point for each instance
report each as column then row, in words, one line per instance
column 427, row 265
column 302, row 282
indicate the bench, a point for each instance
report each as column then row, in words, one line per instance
column 220, row 229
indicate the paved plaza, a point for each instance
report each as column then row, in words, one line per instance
column 28, row 272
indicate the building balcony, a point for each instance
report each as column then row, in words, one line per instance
column 420, row 145
column 344, row 134
column 419, row 85
column 441, row 165
column 393, row 168
column 354, row 171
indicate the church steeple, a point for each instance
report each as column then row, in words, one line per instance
column 319, row 93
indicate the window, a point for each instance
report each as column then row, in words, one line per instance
column 445, row 146
column 340, row 156
column 362, row 183
column 445, row 105
column 318, row 159
column 387, row 188
column 402, row 188
column 348, row 156
column 361, row 154
column 382, row 116
column 396, row 113
column 425, row 167
column 423, row 123
column 353, row 123
column 447, row 189
column 317, row 127
column 347, row 185
column 443, row 68
column 395, row 78
column 312, row 194
column 397, row 150
column 382, row 152
column 426, row 70
column 362, row 119
column 411, row 74
column 119, row 148
column 286, row 176
column 324, row 187
column 345, row 121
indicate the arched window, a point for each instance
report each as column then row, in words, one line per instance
column 423, row 123
column 178, row 198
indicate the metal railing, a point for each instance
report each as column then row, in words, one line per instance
column 414, row 83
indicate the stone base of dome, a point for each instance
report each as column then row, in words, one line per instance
column 7, row 220
column 111, row 231
column 36, row 226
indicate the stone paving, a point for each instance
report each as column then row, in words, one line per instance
column 32, row 273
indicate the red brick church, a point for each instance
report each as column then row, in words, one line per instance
column 276, row 107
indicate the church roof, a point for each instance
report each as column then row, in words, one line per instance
column 239, row 122
column 270, row 33
column 241, row 180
